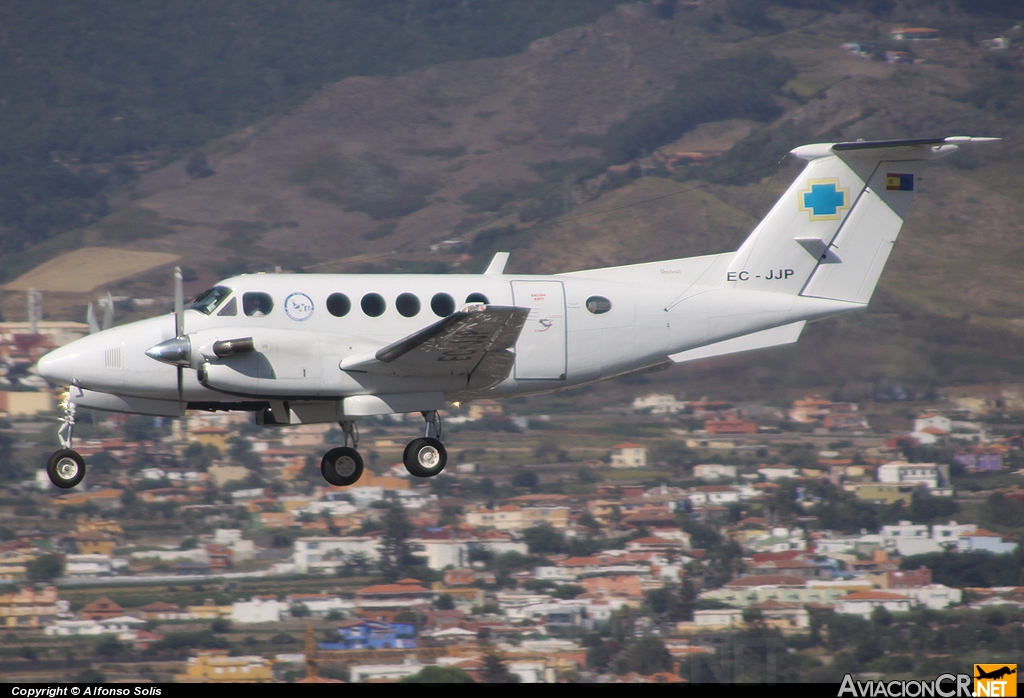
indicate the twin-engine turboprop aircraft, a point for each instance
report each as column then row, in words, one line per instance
column 304, row 348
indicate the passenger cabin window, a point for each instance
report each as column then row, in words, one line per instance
column 338, row 304
column 408, row 305
column 373, row 304
column 477, row 298
column 257, row 304
column 230, row 308
column 442, row 304
column 207, row 301
column 598, row 305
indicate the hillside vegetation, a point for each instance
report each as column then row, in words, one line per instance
column 92, row 92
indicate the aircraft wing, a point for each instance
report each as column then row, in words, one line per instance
column 473, row 342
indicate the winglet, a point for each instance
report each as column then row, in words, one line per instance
column 497, row 265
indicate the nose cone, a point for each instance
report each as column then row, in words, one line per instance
column 58, row 366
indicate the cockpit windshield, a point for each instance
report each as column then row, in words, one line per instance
column 207, row 301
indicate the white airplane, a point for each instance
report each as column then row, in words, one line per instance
column 325, row 348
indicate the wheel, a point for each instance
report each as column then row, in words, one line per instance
column 425, row 457
column 342, row 466
column 66, row 468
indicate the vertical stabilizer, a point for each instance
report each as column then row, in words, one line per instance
column 831, row 233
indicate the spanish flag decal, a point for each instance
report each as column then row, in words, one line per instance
column 895, row 181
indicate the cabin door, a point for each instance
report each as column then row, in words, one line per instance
column 540, row 351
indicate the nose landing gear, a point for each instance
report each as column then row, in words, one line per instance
column 66, row 467
column 426, row 457
column 343, row 466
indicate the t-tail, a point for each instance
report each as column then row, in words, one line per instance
column 831, row 233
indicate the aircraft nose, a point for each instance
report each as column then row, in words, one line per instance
column 58, row 366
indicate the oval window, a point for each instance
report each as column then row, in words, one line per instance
column 407, row 304
column 477, row 298
column 442, row 304
column 598, row 305
column 257, row 304
column 338, row 304
column 373, row 304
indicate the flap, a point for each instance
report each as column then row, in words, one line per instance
column 452, row 346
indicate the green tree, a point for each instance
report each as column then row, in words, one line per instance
column 439, row 674
column 45, row 568
column 647, row 656
column 495, row 671
column 544, row 539
column 444, row 602
column 395, row 554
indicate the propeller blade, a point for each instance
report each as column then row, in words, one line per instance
column 108, row 312
column 90, row 317
column 179, row 307
column 181, row 381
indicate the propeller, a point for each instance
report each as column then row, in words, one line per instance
column 90, row 317
column 108, row 312
column 178, row 350
column 179, row 325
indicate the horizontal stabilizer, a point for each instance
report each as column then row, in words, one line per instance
column 455, row 346
column 776, row 336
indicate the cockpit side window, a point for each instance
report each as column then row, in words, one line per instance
column 257, row 303
column 230, row 308
column 207, row 301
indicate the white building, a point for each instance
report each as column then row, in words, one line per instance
column 326, row 553
column 628, row 455
column 862, row 603
column 441, row 553
column 711, row 471
column 772, row 473
column 384, row 672
column 91, row 565
column 658, row 404
column 719, row 618
column 257, row 611
column 933, row 596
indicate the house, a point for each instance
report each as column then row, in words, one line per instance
column 161, row 610
column 777, row 472
column 212, row 667
column 101, row 609
column 980, row 539
column 628, row 455
column 711, row 471
column 658, row 404
column 863, row 603
column 405, row 594
column 325, row 554
column 28, row 607
column 365, row 634
column 784, row 616
column 258, row 610
column 713, row 494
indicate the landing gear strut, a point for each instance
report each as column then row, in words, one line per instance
column 426, row 457
column 343, row 466
column 66, row 467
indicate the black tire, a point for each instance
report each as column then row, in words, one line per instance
column 66, row 468
column 342, row 466
column 425, row 457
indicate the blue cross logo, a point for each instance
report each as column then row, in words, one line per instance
column 824, row 199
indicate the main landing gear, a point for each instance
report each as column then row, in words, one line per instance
column 425, row 457
column 66, row 467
